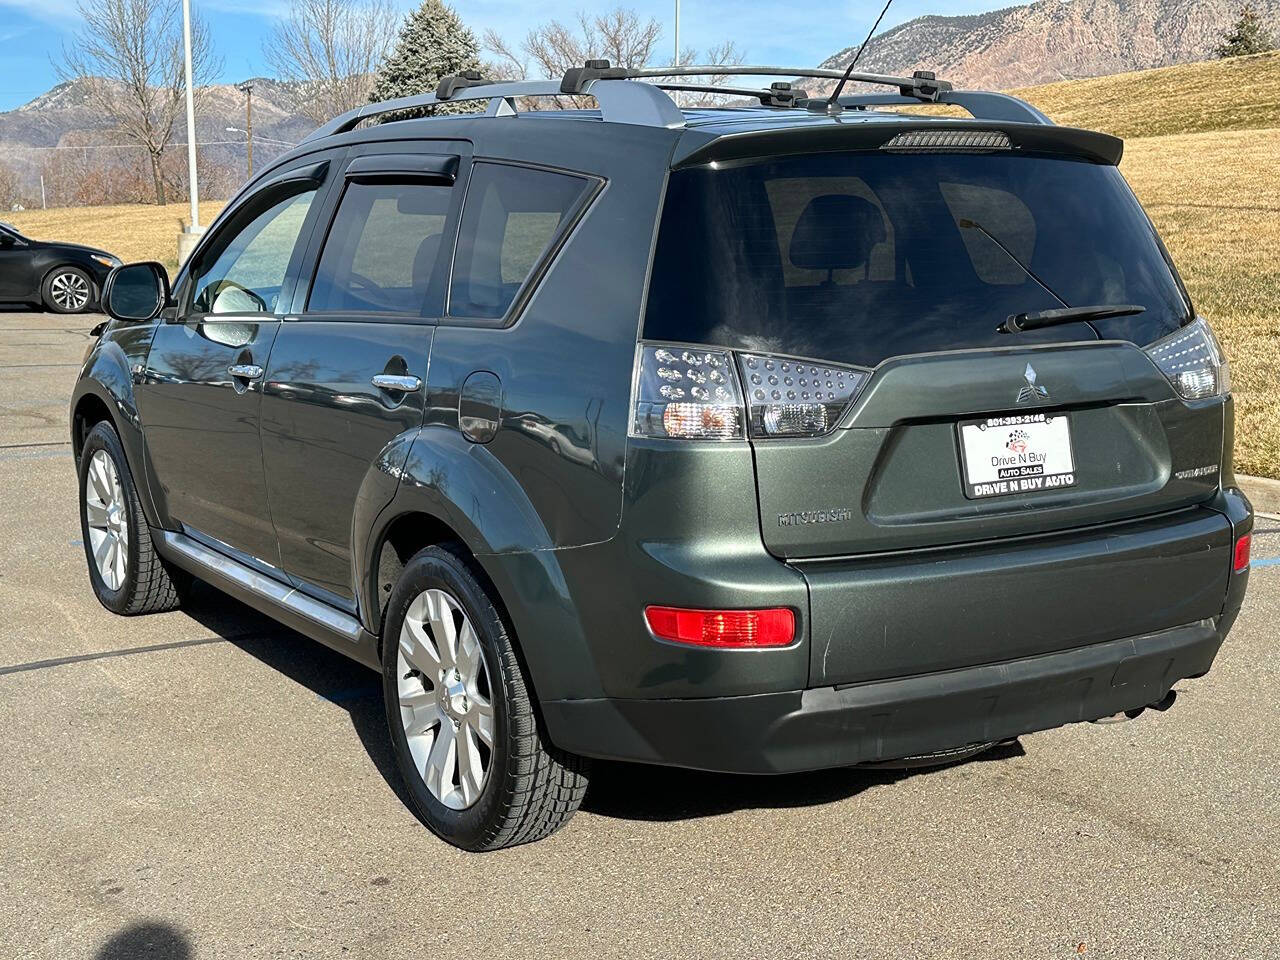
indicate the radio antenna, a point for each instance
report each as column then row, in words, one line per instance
column 835, row 95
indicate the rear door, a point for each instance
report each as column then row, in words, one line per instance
column 892, row 422
column 345, row 382
column 200, row 395
column 895, row 270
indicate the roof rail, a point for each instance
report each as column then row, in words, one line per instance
column 639, row 103
column 981, row 104
column 623, row 100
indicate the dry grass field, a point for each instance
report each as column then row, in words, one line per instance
column 131, row 231
column 1238, row 94
column 1202, row 152
column 1215, row 198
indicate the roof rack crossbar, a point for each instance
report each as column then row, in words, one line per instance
column 922, row 86
column 981, row 104
column 778, row 95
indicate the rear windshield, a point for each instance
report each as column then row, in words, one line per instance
column 859, row 257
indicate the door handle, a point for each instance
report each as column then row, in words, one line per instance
column 396, row 383
column 245, row 371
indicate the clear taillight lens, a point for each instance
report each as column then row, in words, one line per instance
column 796, row 398
column 686, row 393
column 1193, row 361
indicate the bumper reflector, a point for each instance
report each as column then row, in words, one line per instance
column 1242, row 552
column 742, row 629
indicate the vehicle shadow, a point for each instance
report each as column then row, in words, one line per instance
column 152, row 938
column 324, row 672
column 628, row 791
column 623, row 791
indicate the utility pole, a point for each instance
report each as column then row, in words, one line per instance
column 247, row 87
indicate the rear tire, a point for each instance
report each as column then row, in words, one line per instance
column 127, row 574
column 67, row 290
column 477, row 765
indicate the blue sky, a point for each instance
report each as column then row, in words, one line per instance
column 33, row 32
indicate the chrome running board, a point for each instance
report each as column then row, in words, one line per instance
column 282, row 601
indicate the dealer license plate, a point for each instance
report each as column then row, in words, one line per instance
column 1018, row 453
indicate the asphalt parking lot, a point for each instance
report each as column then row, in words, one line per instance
column 208, row 784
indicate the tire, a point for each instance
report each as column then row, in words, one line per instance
column 127, row 574
column 527, row 789
column 67, row 290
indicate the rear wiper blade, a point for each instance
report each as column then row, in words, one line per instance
column 1052, row 318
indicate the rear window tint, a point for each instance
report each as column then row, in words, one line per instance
column 382, row 249
column 859, row 257
column 511, row 217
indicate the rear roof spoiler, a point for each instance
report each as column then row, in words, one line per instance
column 696, row 147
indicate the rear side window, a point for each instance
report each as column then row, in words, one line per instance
column 382, row 249
column 511, row 219
column 859, row 257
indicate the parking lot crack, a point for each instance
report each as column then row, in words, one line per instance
column 126, row 652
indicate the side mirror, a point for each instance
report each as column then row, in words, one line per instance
column 136, row 292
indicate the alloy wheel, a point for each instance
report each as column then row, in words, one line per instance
column 70, row 291
column 108, row 519
column 445, row 698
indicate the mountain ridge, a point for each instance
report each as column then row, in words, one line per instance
column 1050, row 40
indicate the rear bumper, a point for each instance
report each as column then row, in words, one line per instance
column 889, row 719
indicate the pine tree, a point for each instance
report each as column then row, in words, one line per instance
column 433, row 43
column 1246, row 36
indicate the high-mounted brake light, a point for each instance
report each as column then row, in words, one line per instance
column 1243, row 546
column 741, row 629
column 948, row 141
column 1193, row 361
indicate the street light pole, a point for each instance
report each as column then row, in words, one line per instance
column 676, row 61
column 191, row 118
column 247, row 87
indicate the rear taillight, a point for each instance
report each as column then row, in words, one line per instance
column 1193, row 361
column 742, row 629
column 1243, row 546
column 686, row 393
column 692, row 393
column 796, row 398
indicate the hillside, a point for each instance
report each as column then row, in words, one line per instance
column 1202, row 147
column 1238, row 94
column 65, row 112
column 63, row 118
column 1051, row 40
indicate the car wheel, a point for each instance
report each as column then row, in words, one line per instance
column 127, row 574
column 464, row 730
column 67, row 290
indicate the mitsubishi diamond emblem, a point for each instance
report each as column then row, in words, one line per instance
column 1031, row 391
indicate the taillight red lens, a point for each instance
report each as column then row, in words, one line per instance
column 745, row 629
column 1242, row 552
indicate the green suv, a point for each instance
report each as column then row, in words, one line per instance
column 780, row 435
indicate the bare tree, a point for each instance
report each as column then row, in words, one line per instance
column 127, row 57
column 618, row 35
column 331, row 49
column 10, row 189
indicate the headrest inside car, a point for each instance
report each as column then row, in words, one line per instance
column 836, row 232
